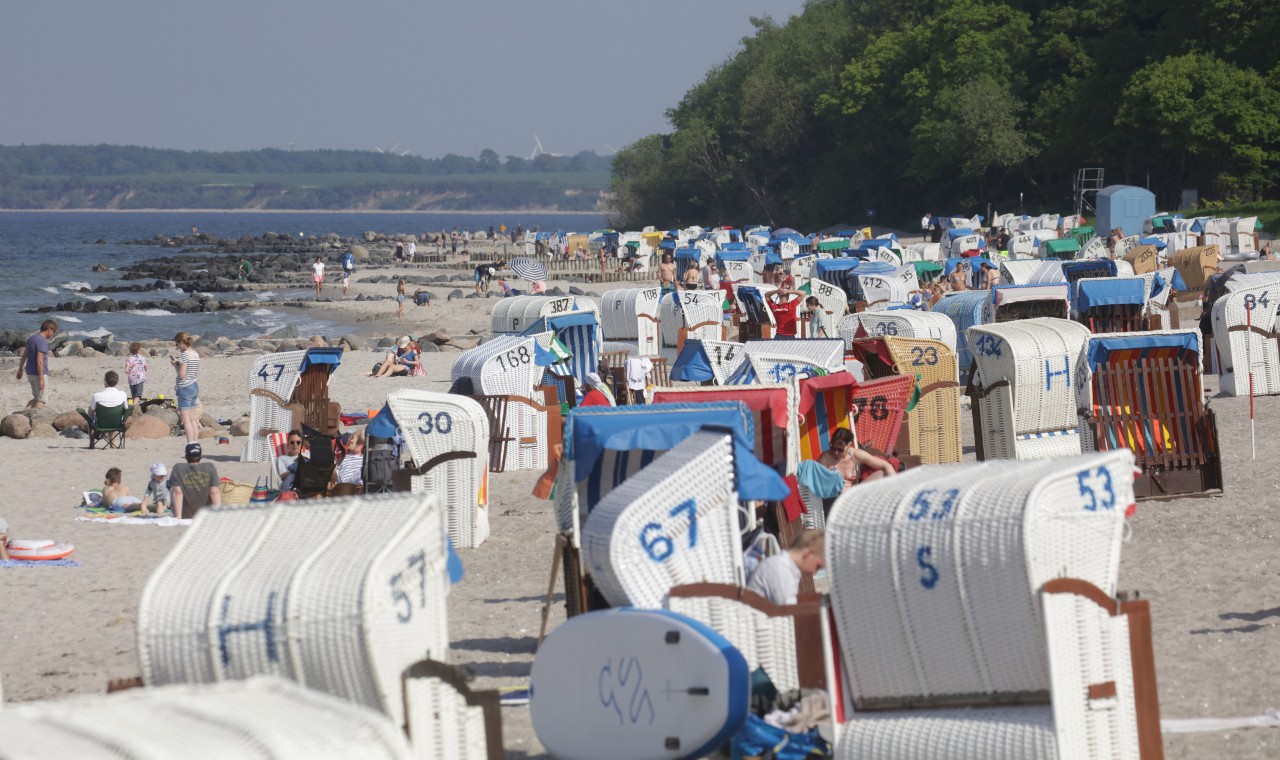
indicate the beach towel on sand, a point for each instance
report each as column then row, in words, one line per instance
column 162, row 522
column 7, row 563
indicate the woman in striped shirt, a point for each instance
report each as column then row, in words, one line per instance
column 187, row 388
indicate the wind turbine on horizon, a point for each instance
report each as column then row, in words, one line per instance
column 537, row 149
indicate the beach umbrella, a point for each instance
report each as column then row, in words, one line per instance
column 529, row 269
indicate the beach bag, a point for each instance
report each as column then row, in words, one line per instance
column 235, row 493
column 760, row 741
column 262, row 493
column 379, row 464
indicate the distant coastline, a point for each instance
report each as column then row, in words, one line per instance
column 459, row 212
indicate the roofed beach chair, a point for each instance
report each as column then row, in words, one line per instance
column 1024, row 390
column 673, row 522
column 631, row 314
column 340, row 595
column 1247, row 341
column 707, row 360
column 272, row 379
column 690, row 314
column 964, row 309
column 976, row 619
column 448, row 437
column 932, row 430
column 898, row 324
column 1143, row 392
column 1007, row 303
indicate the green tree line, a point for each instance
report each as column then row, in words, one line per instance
column 948, row 105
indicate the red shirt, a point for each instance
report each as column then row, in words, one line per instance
column 785, row 315
column 594, row 397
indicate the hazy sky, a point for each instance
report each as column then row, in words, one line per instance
column 434, row 76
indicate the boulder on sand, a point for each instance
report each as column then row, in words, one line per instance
column 70, row 419
column 15, row 426
column 147, row 426
column 241, row 426
column 42, row 430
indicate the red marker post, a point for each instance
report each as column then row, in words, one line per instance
column 1248, row 313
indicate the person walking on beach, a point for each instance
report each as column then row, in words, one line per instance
column 348, row 269
column 410, row 251
column 34, row 361
column 135, row 369
column 317, row 275
column 187, row 387
column 400, row 294
column 667, row 275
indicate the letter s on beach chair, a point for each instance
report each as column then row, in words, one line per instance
column 340, row 595
column 975, row 615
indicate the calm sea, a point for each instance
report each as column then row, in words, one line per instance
column 48, row 256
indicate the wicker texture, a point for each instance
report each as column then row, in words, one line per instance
column 699, row 312
column 516, row 313
column 831, row 299
column 827, row 353
column 441, row 723
column 502, row 366
column 260, row 718
column 277, row 374
column 933, row 427
column 900, row 324
column 965, row 311
column 881, row 291
column 435, row 424
column 1241, row 349
column 1027, row 387
column 993, row 733
column 343, row 614
column 764, row 641
column 674, row 522
column 724, row 357
column 934, row 573
column 631, row 314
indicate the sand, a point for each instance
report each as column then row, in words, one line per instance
column 1206, row 564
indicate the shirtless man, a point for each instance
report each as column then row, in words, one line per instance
column 667, row 274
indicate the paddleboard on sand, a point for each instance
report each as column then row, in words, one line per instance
column 633, row 684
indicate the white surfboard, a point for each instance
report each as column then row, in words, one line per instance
column 633, row 684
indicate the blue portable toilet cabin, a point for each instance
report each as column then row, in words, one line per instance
column 1126, row 207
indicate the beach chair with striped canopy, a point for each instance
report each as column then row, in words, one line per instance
column 448, row 438
column 774, row 413
column 976, row 619
column 1143, row 393
column 1025, row 389
column 340, row 595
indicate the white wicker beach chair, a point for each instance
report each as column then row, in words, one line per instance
column 1246, row 354
column 262, row 717
column 827, row 353
column 1011, row 302
column 1243, row 235
column 964, row 310
column 899, row 324
column 1030, row 271
column 880, row 292
column 340, row 596
column 1023, row 245
column 502, row 366
column 1025, row 388
column 516, row 313
column 631, row 314
column 448, row 437
column 740, row 271
column 272, row 379
column 446, row 719
column 947, row 594
column 673, row 522
column 724, row 357
column 691, row 314
column 1244, row 281
column 802, row 266
column 831, row 299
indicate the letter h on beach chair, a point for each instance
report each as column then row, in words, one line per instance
column 107, row 425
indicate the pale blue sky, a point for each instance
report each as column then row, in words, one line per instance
column 435, row 76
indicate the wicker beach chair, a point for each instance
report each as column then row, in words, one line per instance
column 673, row 522
column 898, row 324
column 272, row 379
column 1196, row 265
column 975, row 613
column 1143, row 393
column 1024, row 390
column 932, row 430
column 517, row 313
column 631, row 314
column 1007, row 303
column 262, row 717
column 446, row 718
column 448, row 437
column 1247, row 341
column 775, row 415
column 1112, row 304
column 826, row 353
column 1030, row 271
column 879, row 292
column 340, row 595
column 691, row 314
column 964, row 310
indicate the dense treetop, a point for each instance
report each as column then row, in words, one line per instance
column 948, row 105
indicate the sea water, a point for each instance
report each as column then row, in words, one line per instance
column 47, row 257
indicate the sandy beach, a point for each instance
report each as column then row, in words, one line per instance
column 1207, row 565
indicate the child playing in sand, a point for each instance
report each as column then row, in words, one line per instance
column 135, row 368
column 157, row 493
column 115, row 495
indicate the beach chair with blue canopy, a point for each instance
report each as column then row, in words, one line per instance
column 579, row 332
column 755, row 320
column 603, row 446
column 700, row 361
column 1110, row 304
column 1143, row 392
column 965, row 309
column 286, row 390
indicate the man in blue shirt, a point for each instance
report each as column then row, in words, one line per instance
column 34, row 361
column 348, row 267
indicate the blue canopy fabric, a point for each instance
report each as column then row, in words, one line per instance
column 1074, row 270
column 1110, row 292
column 772, row 258
column 659, row 427
column 328, row 356
column 822, row 266
column 572, row 319
column 542, row 357
column 689, row 253
column 739, row 254
column 876, row 267
column 667, row 245
column 384, row 425
column 867, row 245
column 1100, row 349
column 692, row 364
column 1157, row 242
column 956, row 232
column 745, row 374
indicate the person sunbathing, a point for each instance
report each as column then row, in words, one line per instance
column 115, row 494
column 853, row 464
column 404, row 361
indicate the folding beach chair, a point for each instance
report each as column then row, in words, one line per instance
column 106, row 425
